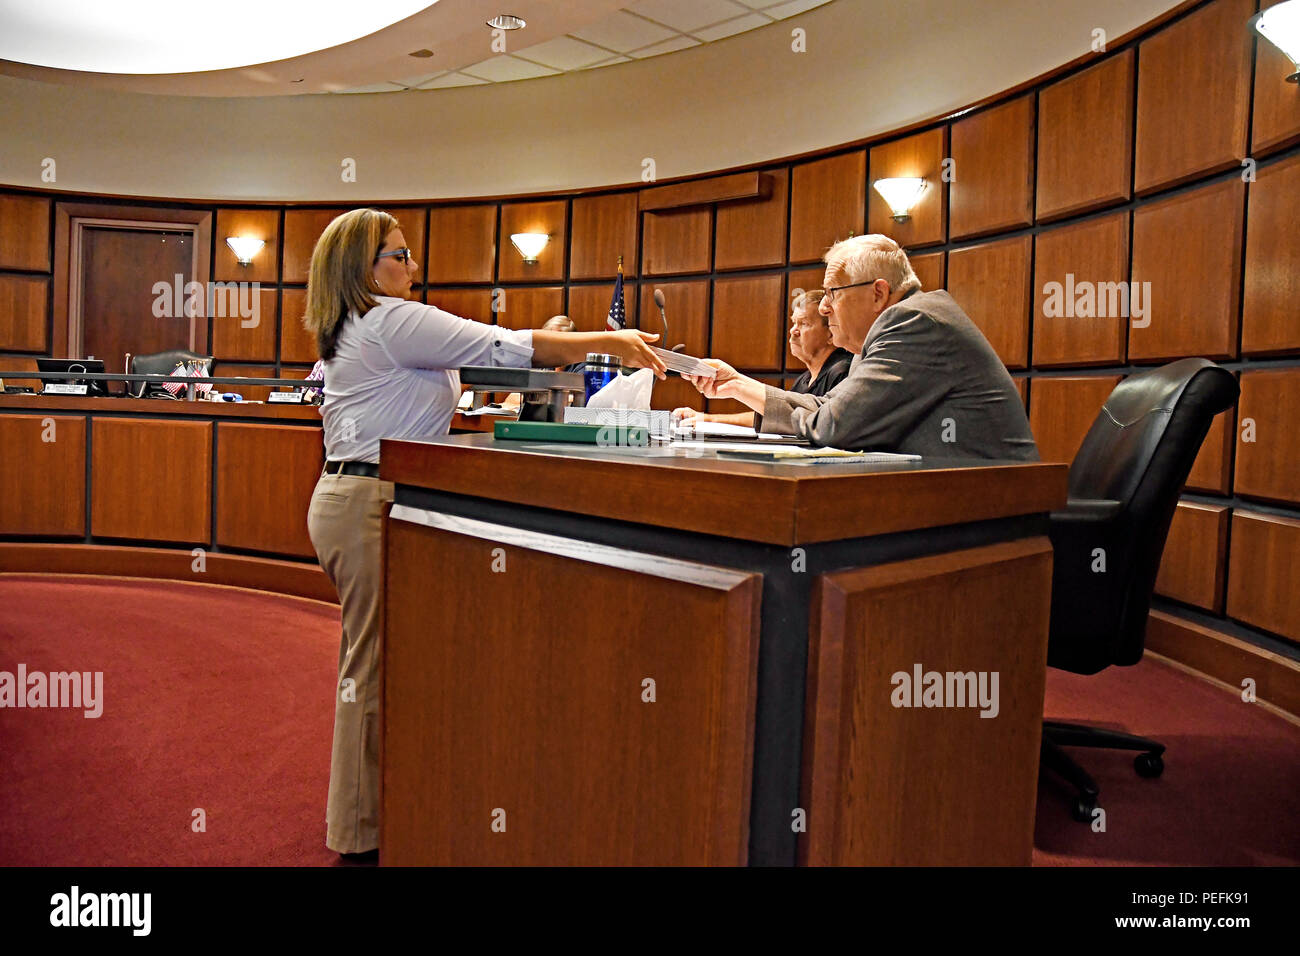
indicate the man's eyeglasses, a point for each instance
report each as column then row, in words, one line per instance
column 829, row 297
column 402, row 255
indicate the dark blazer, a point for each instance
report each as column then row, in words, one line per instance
column 927, row 383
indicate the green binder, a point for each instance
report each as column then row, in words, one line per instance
column 608, row 435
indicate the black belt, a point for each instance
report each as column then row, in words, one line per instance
column 362, row 469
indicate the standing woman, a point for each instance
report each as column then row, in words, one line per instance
column 389, row 373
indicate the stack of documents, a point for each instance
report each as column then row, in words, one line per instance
column 785, row 454
column 684, row 364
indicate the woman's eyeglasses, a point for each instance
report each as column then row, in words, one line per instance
column 402, row 255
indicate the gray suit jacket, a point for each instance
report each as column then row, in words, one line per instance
column 927, row 383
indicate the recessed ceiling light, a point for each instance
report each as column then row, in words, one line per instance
column 137, row 37
column 422, row 54
column 507, row 21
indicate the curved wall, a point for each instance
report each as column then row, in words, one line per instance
column 870, row 66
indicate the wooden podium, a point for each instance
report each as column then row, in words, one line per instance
column 600, row 656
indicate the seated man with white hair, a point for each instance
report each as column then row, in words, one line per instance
column 924, row 380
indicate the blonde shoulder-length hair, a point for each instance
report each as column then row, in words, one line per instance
column 341, row 281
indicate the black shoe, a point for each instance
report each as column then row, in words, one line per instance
column 364, row 858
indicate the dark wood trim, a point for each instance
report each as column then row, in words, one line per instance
column 700, row 192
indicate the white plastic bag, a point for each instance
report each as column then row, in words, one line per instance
column 626, row 391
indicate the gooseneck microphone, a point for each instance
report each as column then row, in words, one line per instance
column 659, row 301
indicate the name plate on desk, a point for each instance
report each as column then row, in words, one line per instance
column 285, row 398
column 64, row 388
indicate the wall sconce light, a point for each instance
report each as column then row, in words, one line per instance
column 901, row 194
column 1280, row 25
column 530, row 244
column 244, row 248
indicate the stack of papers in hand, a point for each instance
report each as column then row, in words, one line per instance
column 684, row 364
column 795, row 453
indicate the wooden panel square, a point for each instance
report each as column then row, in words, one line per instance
column 25, row 233
column 1061, row 410
column 46, row 493
column 473, row 304
column 604, row 228
column 1269, row 324
column 261, row 224
column 1277, row 103
column 1193, row 99
column 687, row 306
column 748, row 322
column 675, row 392
column 302, row 227
column 1193, row 566
column 252, row 339
column 827, row 203
column 1268, row 413
column 23, row 306
column 529, row 308
column 1084, row 267
column 678, row 240
column 991, row 284
column 251, row 393
column 589, row 308
column 1189, row 248
column 151, row 480
column 918, row 156
column 545, row 217
column 265, row 478
column 1085, row 139
column 750, row 233
column 1264, row 572
column 1212, row 469
column 931, row 269
column 462, row 243
column 296, row 343
column 992, row 189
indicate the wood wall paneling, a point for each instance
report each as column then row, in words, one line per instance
column 473, row 304
column 17, row 364
column 589, row 307
column 24, row 305
column 675, row 392
column 991, row 282
column 890, row 785
column 1193, row 566
column 827, row 204
column 748, row 322
column 1085, row 139
column 1212, row 469
column 151, row 480
column 251, row 339
column 1276, row 121
column 992, row 189
column 25, row 233
column 251, row 393
column 918, row 156
column 1264, row 572
column 1061, row 410
column 1269, row 324
column 687, row 306
column 1086, row 267
column 1188, row 247
column 261, row 224
column 604, row 228
column 462, row 244
column 1193, row 98
column 544, row 217
column 931, row 269
column 296, row 343
column 678, row 240
column 265, row 478
column 529, row 308
column 1268, row 413
column 302, row 227
column 702, row 191
column 46, row 493
column 750, row 233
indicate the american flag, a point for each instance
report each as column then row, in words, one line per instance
column 617, row 317
column 195, row 370
column 179, row 371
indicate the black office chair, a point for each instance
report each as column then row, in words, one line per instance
column 159, row 363
column 1123, row 488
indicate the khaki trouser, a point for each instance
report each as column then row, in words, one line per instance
column 344, row 524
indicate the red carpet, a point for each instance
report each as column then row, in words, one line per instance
column 221, row 699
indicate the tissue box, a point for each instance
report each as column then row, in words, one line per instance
column 659, row 423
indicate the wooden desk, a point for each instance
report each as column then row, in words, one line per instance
column 537, row 598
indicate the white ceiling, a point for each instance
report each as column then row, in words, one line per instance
column 561, row 36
